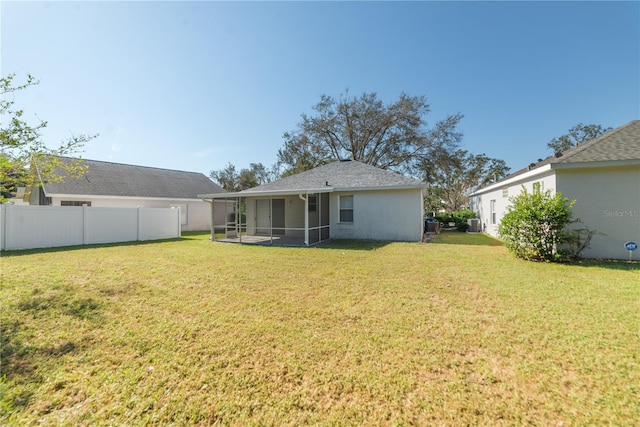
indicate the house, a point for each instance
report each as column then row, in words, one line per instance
column 602, row 175
column 106, row 184
column 340, row 200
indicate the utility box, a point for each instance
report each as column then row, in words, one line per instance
column 474, row 225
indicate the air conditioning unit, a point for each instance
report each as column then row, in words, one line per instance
column 474, row 225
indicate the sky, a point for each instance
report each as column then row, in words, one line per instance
column 197, row 85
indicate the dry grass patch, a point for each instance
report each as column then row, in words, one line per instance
column 194, row 332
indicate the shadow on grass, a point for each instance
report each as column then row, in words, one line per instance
column 613, row 264
column 82, row 247
column 353, row 245
column 19, row 374
column 467, row 239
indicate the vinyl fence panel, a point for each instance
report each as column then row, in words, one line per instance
column 158, row 223
column 29, row 227
column 110, row 225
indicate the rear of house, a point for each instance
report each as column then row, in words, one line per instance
column 340, row 200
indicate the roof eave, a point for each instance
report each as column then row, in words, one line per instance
column 384, row 188
column 608, row 163
column 514, row 179
column 112, row 197
column 265, row 193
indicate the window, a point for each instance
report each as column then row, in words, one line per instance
column 505, row 192
column 346, row 208
column 492, row 208
column 313, row 203
column 74, row 203
column 538, row 187
column 183, row 213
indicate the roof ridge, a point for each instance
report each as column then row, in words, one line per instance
column 126, row 164
column 585, row 145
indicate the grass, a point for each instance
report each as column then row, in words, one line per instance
column 185, row 332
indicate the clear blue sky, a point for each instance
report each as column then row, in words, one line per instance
column 195, row 85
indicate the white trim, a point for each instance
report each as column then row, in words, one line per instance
column 249, row 193
column 381, row 188
column 510, row 181
column 87, row 196
column 603, row 164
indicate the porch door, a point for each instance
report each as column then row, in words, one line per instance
column 262, row 216
column 277, row 210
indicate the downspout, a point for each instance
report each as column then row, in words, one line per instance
column 306, row 219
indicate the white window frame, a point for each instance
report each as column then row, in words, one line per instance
column 343, row 208
column 538, row 187
column 183, row 213
column 492, row 212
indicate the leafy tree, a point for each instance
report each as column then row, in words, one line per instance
column 454, row 175
column 534, row 226
column 576, row 135
column 393, row 136
column 225, row 178
column 232, row 180
column 21, row 144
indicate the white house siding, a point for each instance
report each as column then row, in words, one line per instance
column 481, row 203
column 607, row 200
column 198, row 215
column 396, row 215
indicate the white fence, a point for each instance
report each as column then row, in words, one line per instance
column 29, row 227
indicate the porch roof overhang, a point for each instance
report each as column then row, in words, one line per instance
column 249, row 193
column 272, row 193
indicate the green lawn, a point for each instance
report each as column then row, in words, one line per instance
column 187, row 331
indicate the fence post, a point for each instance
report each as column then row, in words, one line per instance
column 84, row 224
column 138, row 225
column 3, row 227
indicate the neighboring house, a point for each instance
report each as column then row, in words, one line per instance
column 106, row 184
column 340, row 200
column 18, row 199
column 602, row 175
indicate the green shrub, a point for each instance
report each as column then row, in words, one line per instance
column 534, row 226
column 444, row 217
column 460, row 218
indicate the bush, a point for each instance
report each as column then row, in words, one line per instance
column 461, row 217
column 533, row 227
column 444, row 217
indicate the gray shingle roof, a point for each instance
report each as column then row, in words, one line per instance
column 619, row 144
column 340, row 175
column 622, row 143
column 116, row 179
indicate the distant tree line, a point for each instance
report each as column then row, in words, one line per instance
column 391, row 136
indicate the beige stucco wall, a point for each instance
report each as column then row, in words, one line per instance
column 394, row 215
column 607, row 200
column 198, row 211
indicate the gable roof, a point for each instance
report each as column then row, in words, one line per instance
column 121, row 180
column 343, row 175
column 620, row 145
